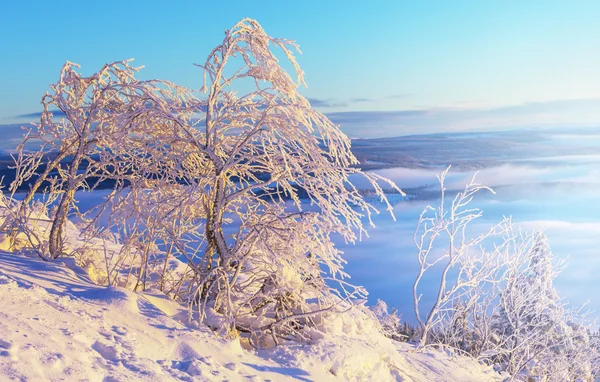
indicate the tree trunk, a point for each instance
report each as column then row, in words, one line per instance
column 55, row 241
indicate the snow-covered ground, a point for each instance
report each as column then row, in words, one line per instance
column 56, row 324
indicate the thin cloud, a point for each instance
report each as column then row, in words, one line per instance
column 340, row 103
column 331, row 102
column 557, row 113
column 38, row 114
column 399, row 96
column 366, row 117
column 316, row 102
column 12, row 135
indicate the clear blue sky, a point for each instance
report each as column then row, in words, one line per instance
column 379, row 68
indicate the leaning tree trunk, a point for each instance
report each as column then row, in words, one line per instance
column 55, row 241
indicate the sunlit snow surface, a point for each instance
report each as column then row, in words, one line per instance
column 58, row 325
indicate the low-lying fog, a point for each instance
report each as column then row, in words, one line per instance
column 564, row 200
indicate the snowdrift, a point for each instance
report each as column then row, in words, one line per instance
column 57, row 324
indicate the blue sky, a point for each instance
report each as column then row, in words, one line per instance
column 384, row 68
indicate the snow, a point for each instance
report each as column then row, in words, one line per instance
column 58, row 325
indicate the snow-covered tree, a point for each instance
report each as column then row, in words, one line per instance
column 536, row 334
column 443, row 242
column 111, row 128
column 215, row 180
column 495, row 299
column 70, row 144
column 261, row 152
column 389, row 320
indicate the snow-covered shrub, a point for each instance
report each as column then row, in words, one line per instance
column 389, row 320
column 535, row 334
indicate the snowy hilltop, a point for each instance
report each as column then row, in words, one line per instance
column 58, row 325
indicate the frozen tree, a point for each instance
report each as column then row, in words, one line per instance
column 214, row 180
column 69, row 146
column 258, row 154
column 112, row 129
column 389, row 320
column 443, row 243
column 536, row 334
column 495, row 300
